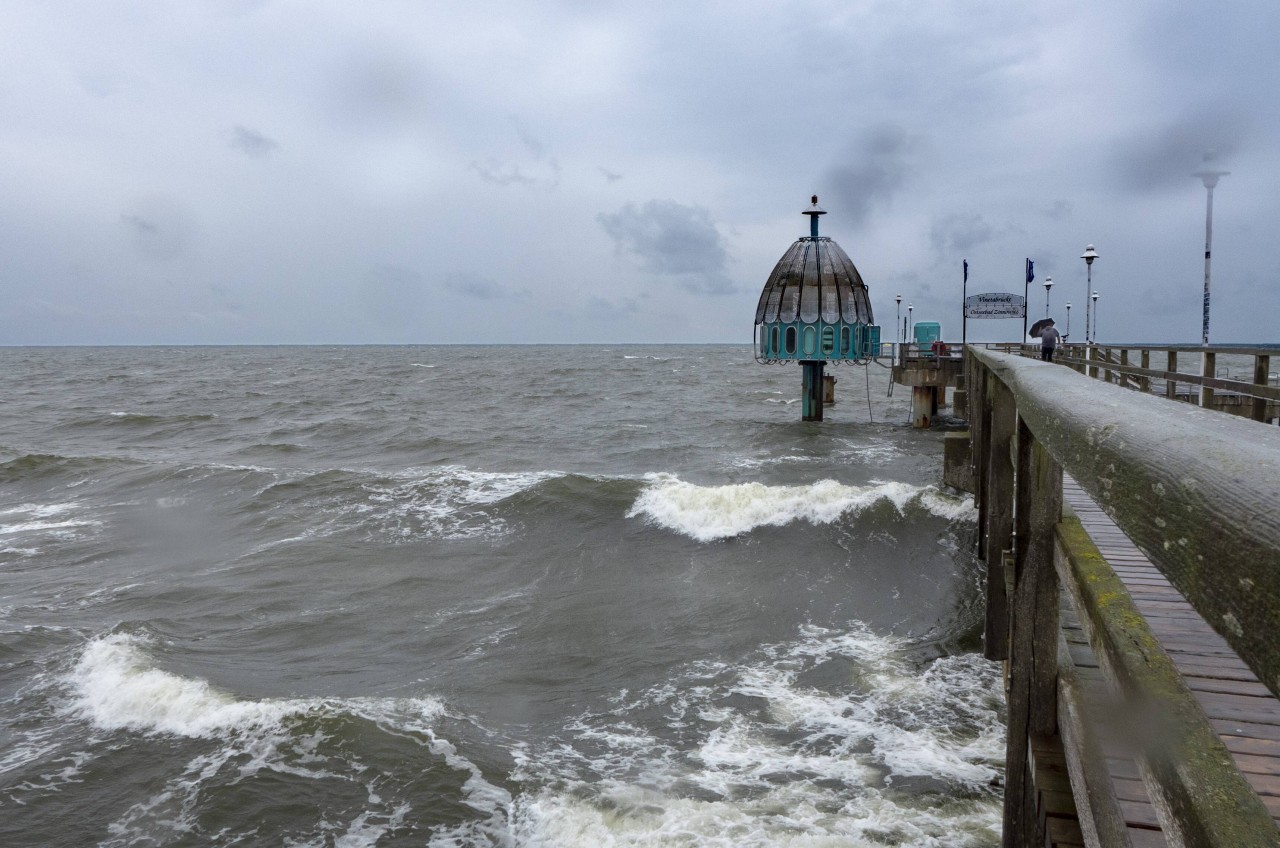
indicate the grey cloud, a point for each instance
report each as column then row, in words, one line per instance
column 1164, row 157
column 610, row 175
column 475, row 286
column 252, row 143
column 875, row 168
column 960, row 232
column 509, row 173
column 673, row 240
column 160, row 227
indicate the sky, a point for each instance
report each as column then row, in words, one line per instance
column 384, row 172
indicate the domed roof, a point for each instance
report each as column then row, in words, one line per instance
column 814, row 279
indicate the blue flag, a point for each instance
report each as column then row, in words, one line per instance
column 1031, row 271
column 966, row 270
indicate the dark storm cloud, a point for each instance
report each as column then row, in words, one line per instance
column 874, row 169
column 673, row 240
column 1164, row 156
column 252, row 143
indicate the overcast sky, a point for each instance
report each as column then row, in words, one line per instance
column 250, row 171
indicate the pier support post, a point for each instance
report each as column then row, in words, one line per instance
column 811, row 389
column 924, row 405
column 997, row 527
column 1033, row 632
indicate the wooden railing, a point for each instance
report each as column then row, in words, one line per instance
column 1158, row 369
column 1197, row 492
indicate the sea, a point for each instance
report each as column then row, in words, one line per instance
column 482, row 596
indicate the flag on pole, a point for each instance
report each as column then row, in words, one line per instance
column 1031, row 271
column 966, row 270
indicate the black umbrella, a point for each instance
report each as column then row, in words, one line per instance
column 1038, row 326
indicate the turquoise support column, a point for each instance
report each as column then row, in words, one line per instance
column 811, row 388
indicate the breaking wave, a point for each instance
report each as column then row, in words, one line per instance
column 710, row 513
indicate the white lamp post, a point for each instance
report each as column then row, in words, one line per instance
column 1048, row 284
column 911, row 335
column 1088, row 256
column 1068, row 319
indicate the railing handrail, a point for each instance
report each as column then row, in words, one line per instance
column 1196, row 491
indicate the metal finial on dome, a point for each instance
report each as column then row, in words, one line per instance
column 813, row 212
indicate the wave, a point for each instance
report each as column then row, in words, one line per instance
column 445, row 502
column 762, row 753
column 308, row 744
column 37, row 466
column 710, row 513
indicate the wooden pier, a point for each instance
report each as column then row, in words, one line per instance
column 1133, row 590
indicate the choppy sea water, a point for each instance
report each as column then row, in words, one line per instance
column 481, row 596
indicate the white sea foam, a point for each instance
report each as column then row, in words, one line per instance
column 117, row 687
column 27, row 527
column 808, row 767
column 708, row 513
column 445, row 502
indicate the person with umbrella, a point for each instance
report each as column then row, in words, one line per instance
column 1049, row 337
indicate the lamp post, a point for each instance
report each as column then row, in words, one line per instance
column 897, row 323
column 1048, row 284
column 1095, row 317
column 1210, row 176
column 911, row 335
column 1068, row 320
column 1088, row 256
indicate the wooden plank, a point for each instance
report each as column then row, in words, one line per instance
column 1208, row 800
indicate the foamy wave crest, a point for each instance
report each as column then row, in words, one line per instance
column 756, row 755
column 303, row 744
column 116, row 687
column 708, row 513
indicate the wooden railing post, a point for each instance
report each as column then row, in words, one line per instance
column 1208, row 367
column 1170, row 385
column 1144, row 382
column 1000, row 422
column 1261, row 368
column 1033, row 638
column 1124, row 360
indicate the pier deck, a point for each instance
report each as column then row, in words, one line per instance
column 1242, row 710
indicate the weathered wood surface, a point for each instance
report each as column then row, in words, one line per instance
column 1033, row 631
column 1195, row 490
column 1244, row 714
column 1196, row 786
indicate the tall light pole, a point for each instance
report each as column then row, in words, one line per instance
column 1210, row 176
column 909, row 308
column 1048, row 284
column 897, row 325
column 1088, row 256
column 1068, row 320
column 1095, row 317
